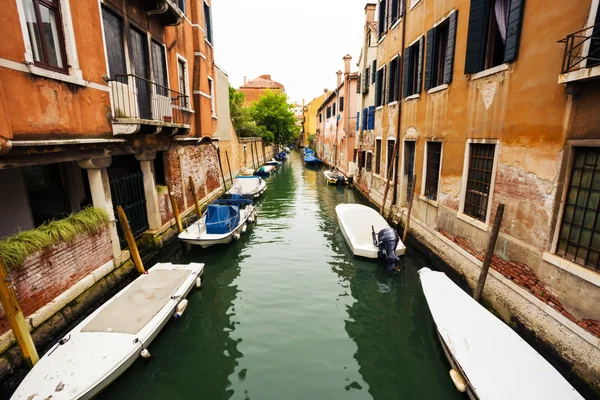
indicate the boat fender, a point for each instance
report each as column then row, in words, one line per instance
column 198, row 282
column 145, row 354
column 458, row 381
column 244, row 228
column 236, row 236
column 180, row 308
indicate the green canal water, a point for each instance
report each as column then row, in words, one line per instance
column 288, row 313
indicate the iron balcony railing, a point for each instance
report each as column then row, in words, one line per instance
column 139, row 98
column 582, row 49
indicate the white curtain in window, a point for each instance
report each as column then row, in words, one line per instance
column 32, row 29
column 501, row 9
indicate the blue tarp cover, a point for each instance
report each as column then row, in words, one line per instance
column 221, row 219
column 311, row 159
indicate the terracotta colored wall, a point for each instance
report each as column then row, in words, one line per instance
column 253, row 94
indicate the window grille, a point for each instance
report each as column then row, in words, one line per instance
column 481, row 164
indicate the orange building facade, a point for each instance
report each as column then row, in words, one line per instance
column 255, row 88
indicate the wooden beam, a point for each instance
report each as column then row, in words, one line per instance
column 195, row 196
column 388, row 179
column 135, row 254
column 16, row 319
column 489, row 253
column 410, row 204
column 175, row 210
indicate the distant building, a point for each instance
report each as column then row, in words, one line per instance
column 255, row 88
column 310, row 118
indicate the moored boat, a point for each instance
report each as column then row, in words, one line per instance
column 312, row 160
column 488, row 358
column 224, row 220
column 107, row 342
column 248, row 186
column 265, row 170
column 368, row 234
column 335, row 177
column 273, row 162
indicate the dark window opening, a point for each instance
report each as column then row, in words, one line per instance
column 369, row 162
column 159, row 68
column 334, row 109
column 45, row 30
column 432, row 173
column 594, row 50
column 373, row 71
column 379, row 88
column 391, row 145
column 382, row 17
column 413, row 61
column 409, row 167
column 496, row 40
column 159, row 169
column 182, row 72
column 181, row 5
column 440, row 51
column 378, row 156
column 394, row 81
column 579, row 239
column 115, row 47
column 208, row 24
column 481, row 164
column 341, row 104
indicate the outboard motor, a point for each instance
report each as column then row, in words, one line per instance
column 341, row 179
column 387, row 240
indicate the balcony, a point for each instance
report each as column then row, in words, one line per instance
column 169, row 11
column 142, row 106
column 581, row 60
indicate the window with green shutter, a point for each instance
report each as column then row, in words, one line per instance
column 439, row 58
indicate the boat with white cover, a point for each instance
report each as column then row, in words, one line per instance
column 357, row 223
column 492, row 360
column 334, row 177
column 107, row 342
column 224, row 220
column 248, row 186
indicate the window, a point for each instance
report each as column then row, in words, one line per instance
column 182, row 70
column 367, row 79
column 440, row 53
column 211, row 91
column 579, row 239
column 432, row 170
column 396, row 10
column 382, row 17
column 391, row 147
column 208, row 24
column 159, row 68
column 409, row 166
column 181, row 5
column 115, row 47
column 479, row 178
column 328, row 113
column 362, row 161
column 45, row 33
column 341, row 104
column 369, row 162
column 359, row 82
column 320, row 117
column 494, row 33
column 333, row 113
column 393, row 87
column 373, row 69
column 413, row 68
column 593, row 48
column 379, row 93
column 378, row 156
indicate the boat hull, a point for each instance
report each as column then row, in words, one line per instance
column 196, row 233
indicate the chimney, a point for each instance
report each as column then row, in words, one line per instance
column 347, row 59
column 370, row 12
column 325, row 90
column 339, row 78
column 303, row 103
column 245, row 80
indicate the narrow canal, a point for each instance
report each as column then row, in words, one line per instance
column 288, row 313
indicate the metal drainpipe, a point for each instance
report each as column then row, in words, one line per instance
column 398, row 127
column 347, row 112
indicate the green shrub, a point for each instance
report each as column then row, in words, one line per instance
column 15, row 249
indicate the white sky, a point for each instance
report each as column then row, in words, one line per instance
column 299, row 43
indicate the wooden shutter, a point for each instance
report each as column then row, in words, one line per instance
column 420, row 66
column 513, row 30
column 341, row 104
column 401, row 7
column 406, row 81
column 377, row 88
column 476, row 38
column 374, row 71
column 450, row 47
column 429, row 59
column 385, row 94
column 357, row 121
column 397, row 82
column 365, row 119
column 358, row 83
column 371, row 113
column 389, row 94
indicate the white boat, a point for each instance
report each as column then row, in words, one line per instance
column 357, row 223
column 273, row 162
column 249, row 186
column 491, row 359
column 107, row 342
column 335, row 177
column 223, row 221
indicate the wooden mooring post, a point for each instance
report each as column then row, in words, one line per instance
column 195, row 196
column 387, row 183
column 410, row 204
column 15, row 317
column 175, row 210
column 229, row 166
column 489, row 253
column 135, row 254
column 252, row 153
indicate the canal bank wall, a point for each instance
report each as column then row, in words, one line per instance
column 571, row 349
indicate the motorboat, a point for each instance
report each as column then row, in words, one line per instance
column 100, row 348
column 248, row 186
column 273, row 163
column 368, row 234
column 265, row 170
column 312, row 160
column 489, row 360
column 282, row 156
column 334, row 177
column 224, row 220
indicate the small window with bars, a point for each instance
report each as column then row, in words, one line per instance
column 378, row 156
column 369, row 162
column 432, row 170
column 481, row 165
column 579, row 239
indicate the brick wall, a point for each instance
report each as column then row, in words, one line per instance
column 521, row 274
column 48, row 273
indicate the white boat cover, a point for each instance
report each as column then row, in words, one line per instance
column 247, row 186
column 108, row 341
column 498, row 364
column 357, row 223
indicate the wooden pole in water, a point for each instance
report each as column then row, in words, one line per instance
column 410, row 204
column 257, row 157
column 175, row 210
column 229, row 166
column 263, row 149
column 387, row 183
column 15, row 317
column 252, row 153
column 221, row 168
column 195, row 196
column 135, row 254
column 489, row 253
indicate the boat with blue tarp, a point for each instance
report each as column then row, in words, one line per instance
column 224, row 220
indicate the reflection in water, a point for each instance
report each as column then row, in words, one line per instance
column 288, row 313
